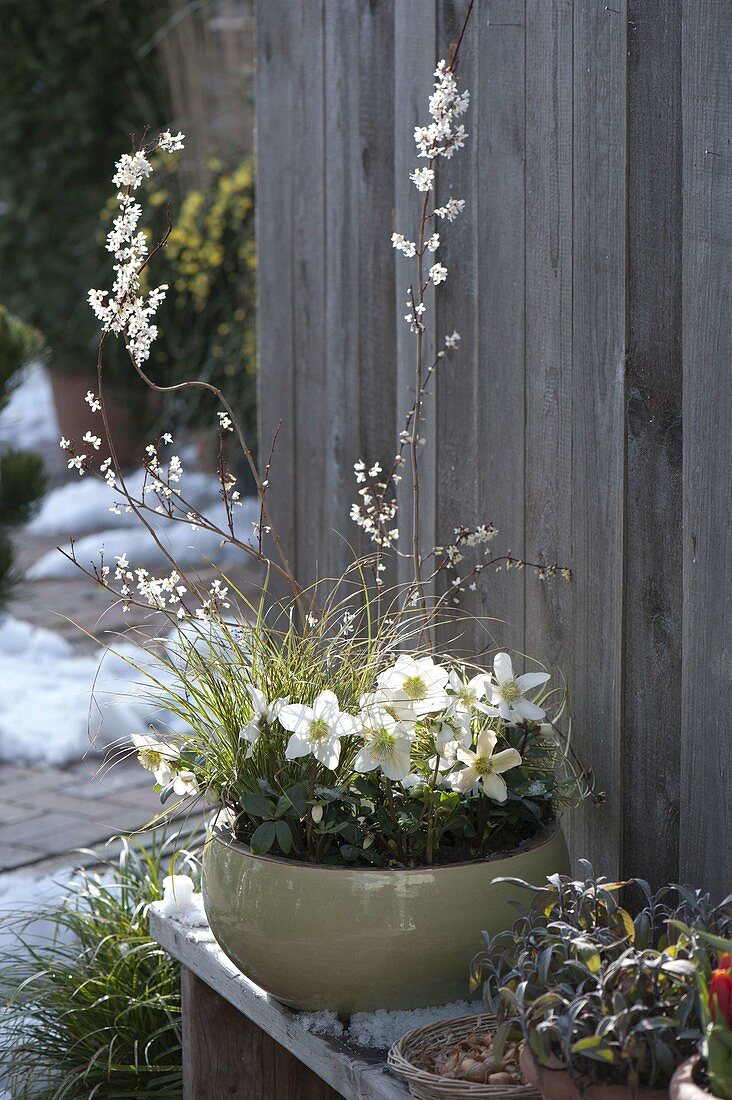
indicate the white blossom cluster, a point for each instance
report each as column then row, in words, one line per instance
column 442, row 137
column 376, row 512
column 156, row 592
column 171, row 143
column 400, row 242
column 216, row 602
column 125, row 310
column 450, row 210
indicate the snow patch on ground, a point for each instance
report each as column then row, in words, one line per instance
column 47, row 709
column 21, row 890
column 23, row 893
column 28, row 421
column 82, row 506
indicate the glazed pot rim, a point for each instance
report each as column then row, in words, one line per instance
column 546, row 835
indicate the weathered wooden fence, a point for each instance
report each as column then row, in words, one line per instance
column 589, row 411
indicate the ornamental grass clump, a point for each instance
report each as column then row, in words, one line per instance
column 341, row 722
column 385, row 757
column 608, row 997
column 92, row 1004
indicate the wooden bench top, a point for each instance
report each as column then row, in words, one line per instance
column 354, row 1074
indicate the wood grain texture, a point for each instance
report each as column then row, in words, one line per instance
column 342, row 302
column 598, row 340
column 706, row 750
column 308, row 259
column 225, row 1055
column 549, row 351
column 375, row 306
column 275, row 299
column 350, row 1073
column 456, row 389
column 415, row 50
column 498, row 125
column 652, row 594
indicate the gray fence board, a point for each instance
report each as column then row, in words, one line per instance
column 548, row 356
column 458, row 497
column 414, row 61
column 652, row 598
column 276, row 52
column 498, row 125
column 375, row 305
column 597, row 413
column 706, row 752
column 308, row 259
column 342, row 205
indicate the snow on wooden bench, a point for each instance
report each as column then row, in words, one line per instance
column 240, row 1043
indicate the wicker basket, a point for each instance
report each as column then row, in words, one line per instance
column 428, row 1086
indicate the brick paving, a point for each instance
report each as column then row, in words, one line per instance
column 47, row 811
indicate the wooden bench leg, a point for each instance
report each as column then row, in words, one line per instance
column 227, row 1057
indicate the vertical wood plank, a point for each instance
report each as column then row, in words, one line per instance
column 226, row 1055
column 706, row 754
column 499, row 194
column 376, row 302
column 652, row 598
column 415, row 60
column 275, row 300
column 343, row 305
column 310, row 485
column 549, row 361
column 599, row 112
column 456, row 386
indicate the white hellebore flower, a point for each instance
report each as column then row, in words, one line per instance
column 264, row 715
column 317, row 729
column 186, row 784
column 467, row 695
column 414, row 687
column 450, row 735
column 387, row 744
column 483, row 768
column 155, row 757
column 508, row 693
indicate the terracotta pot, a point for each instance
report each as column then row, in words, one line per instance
column 75, row 417
column 684, row 1081
column 556, row 1084
column 355, row 939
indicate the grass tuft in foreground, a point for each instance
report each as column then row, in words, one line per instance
column 92, row 1003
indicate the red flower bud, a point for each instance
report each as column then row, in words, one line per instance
column 720, row 992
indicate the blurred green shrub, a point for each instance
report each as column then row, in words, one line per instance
column 22, row 483
column 9, row 578
column 20, row 344
column 92, row 1003
column 78, row 77
column 22, row 475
